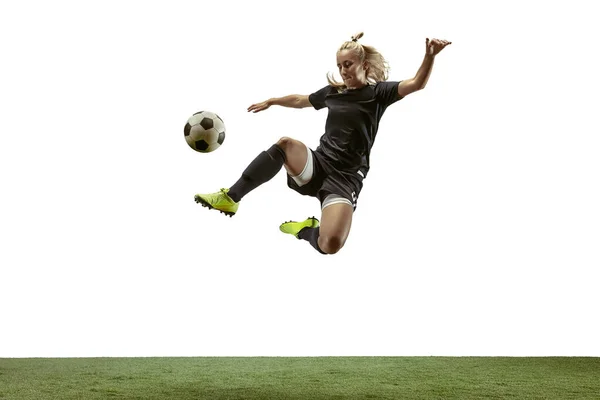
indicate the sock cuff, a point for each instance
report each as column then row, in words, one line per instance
column 276, row 151
column 312, row 236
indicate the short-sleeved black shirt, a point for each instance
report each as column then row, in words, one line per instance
column 352, row 122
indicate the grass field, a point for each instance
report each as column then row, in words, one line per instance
column 301, row 378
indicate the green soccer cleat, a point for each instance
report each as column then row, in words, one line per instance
column 293, row 227
column 218, row 201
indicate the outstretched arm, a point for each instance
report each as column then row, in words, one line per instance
column 293, row 101
column 432, row 47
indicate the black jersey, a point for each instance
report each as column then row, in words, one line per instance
column 352, row 122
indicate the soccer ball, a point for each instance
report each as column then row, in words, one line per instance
column 204, row 131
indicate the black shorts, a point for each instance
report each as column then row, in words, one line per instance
column 327, row 183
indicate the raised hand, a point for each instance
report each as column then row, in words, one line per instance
column 434, row 46
column 259, row 106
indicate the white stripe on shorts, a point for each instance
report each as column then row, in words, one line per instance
column 335, row 199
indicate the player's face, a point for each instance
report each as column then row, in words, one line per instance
column 352, row 71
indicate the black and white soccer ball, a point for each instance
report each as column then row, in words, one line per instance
column 204, row 131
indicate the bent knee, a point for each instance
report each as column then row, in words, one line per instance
column 331, row 244
column 289, row 144
column 285, row 142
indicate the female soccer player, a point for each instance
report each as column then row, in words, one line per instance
column 335, row 170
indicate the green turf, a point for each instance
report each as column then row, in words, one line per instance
column 301, row 378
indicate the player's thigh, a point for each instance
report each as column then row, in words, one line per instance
column 296, row 154
column 336, row 220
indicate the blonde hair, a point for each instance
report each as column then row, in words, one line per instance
column 378, row 67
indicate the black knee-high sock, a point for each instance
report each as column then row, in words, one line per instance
column 312, row 236
column 264, row 167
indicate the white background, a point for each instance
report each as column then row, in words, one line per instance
column 476, row 233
